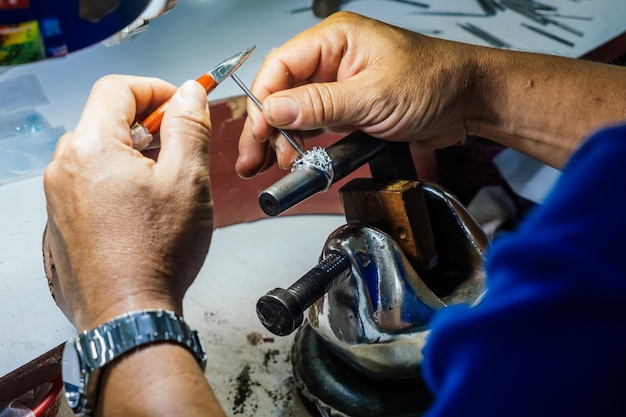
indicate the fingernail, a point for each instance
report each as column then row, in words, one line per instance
column 282, row 110
column 192, row 93
column 279, row 148
column 253, row 131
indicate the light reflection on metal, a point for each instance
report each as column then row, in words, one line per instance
column 377, row 318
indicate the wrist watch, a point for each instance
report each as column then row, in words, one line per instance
column 87, row 353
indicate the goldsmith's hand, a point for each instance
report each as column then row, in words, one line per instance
column 350, row 72
column 126, row 231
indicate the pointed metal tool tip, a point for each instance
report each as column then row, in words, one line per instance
column 230, row 65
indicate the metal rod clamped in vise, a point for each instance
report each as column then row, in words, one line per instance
column 281, row 310
column 387, row 159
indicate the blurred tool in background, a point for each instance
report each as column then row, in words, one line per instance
column 324, row 8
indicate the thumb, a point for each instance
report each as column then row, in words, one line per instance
column 315, row 106
column 186, row 127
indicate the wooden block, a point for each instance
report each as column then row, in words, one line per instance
column 398, row 208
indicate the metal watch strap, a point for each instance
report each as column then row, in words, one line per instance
column 128, row 331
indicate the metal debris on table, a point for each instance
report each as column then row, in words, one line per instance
column 324, row 8
column 548, row 34
column 451, row 13
column 484, row 35
column 537, row 12
column 534, row 11
column 412, row 3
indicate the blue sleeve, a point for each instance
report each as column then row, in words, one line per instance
column 549, row 338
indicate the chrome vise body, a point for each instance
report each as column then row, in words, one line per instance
column 377, row 317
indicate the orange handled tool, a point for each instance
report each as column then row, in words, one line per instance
column 143, row 133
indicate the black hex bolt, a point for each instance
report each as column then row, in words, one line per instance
column 281, row 311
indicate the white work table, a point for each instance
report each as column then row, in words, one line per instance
column 245, row 260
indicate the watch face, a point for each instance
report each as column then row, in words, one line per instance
column 71, row 369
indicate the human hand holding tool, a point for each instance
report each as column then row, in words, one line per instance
column 126, row 237
column 343, row 75
column 316, row 159
column 143, row 132
column 126, row 200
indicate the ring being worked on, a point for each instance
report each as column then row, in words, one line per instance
column 319, row 160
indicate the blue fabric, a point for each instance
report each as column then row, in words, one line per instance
column 549, row 338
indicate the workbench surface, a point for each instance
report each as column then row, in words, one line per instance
column 244, row 260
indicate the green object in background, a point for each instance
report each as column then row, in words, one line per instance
column 21, row 43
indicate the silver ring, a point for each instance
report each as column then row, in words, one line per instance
column 319, row 160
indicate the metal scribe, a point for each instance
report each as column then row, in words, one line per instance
column 256, row 101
